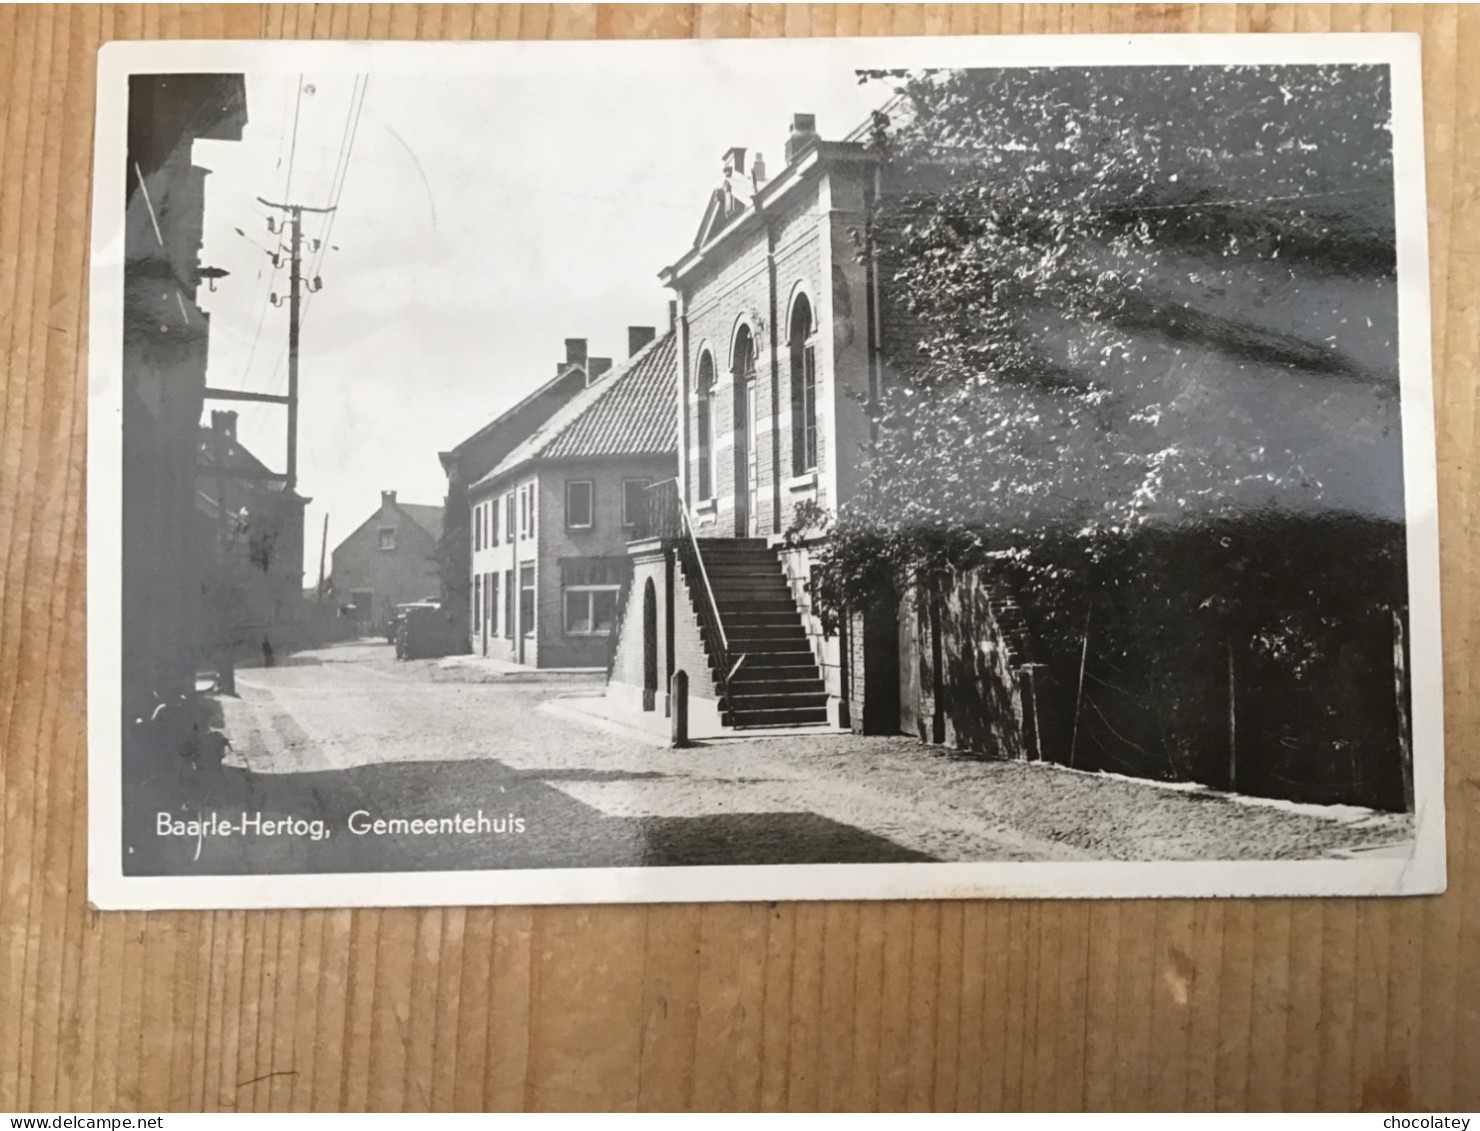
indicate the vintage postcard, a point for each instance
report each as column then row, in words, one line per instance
column 652, row 471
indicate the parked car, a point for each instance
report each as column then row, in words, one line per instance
column 425, row 631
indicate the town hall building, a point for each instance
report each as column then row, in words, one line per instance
column 778, row 357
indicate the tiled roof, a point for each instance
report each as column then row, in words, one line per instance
column 630, row 411
column 427, row 517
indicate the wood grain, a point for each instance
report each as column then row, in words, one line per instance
column 1173, row 1005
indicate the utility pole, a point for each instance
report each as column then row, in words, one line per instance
column 296, row 285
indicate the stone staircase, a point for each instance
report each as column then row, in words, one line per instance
column 779, row 683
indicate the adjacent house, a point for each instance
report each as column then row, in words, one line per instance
column 481, row 452
column 551, row 521
column 251, row 534
column 390, row 560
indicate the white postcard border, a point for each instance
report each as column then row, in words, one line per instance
column 109, row 888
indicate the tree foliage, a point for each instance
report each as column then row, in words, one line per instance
column 1122, row 298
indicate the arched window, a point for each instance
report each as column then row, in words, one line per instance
column 706, row 426
column 803, row 388
column 743, row 363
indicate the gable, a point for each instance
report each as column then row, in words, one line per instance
column 403, row 521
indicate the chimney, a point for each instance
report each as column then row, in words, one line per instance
column 387, row 500
column 735, row 161
column 758, row 172
column 224, row 422
column 803, row 134
column 596, row 367
column 639, row 336
column 673, row 315
column 575, row 351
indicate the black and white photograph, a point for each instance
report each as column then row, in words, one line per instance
column 652, row 471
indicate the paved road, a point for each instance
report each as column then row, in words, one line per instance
column 346, row 736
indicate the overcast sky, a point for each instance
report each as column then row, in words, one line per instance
column 483, row 220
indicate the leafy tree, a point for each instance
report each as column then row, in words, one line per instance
column 1120, row 299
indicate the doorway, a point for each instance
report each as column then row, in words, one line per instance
column 649, row 646
column 743, row 371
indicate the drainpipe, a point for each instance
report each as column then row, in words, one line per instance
column 875, row 328
column 685, row 388
column 775, row 379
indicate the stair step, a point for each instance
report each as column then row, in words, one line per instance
column 758, row 648
column 740, row 606
column 742, row 634
column 706, row 544
column 801, row 702
column 719, row 571
column 770, row 661
column 743, row 617
column 745, row 586
column 781, row 717
column 785, row 681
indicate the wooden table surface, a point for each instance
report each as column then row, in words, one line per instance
column 1123, row 1005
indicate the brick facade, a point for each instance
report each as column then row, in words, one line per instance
column 560, row 510
column 799, row 246
column 554, row 543
column 479, row 454
column 405, row 572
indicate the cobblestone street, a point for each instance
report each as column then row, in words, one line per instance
column 348, row 736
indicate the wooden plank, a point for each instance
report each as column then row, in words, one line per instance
column 1327, row 1005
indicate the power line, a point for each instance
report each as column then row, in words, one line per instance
column 336, row 191
column 293, row 148
column 277, row 255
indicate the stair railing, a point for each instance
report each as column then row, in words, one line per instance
column 668, row 518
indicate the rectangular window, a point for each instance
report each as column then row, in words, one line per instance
column 591, row 589
column 477, row 602
column 634, row 500
column 526, row 513
column 493, row 522
column 490, row 602
column 509, row 517
column 706, row 474
column 509, row 603
column 804, row 410
column 526, row 600
column 591, row 610
column 477, row 529
column 580, row 504
column 387, row 538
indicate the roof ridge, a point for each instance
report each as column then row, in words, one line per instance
column 571, row 413
column 603, row 385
